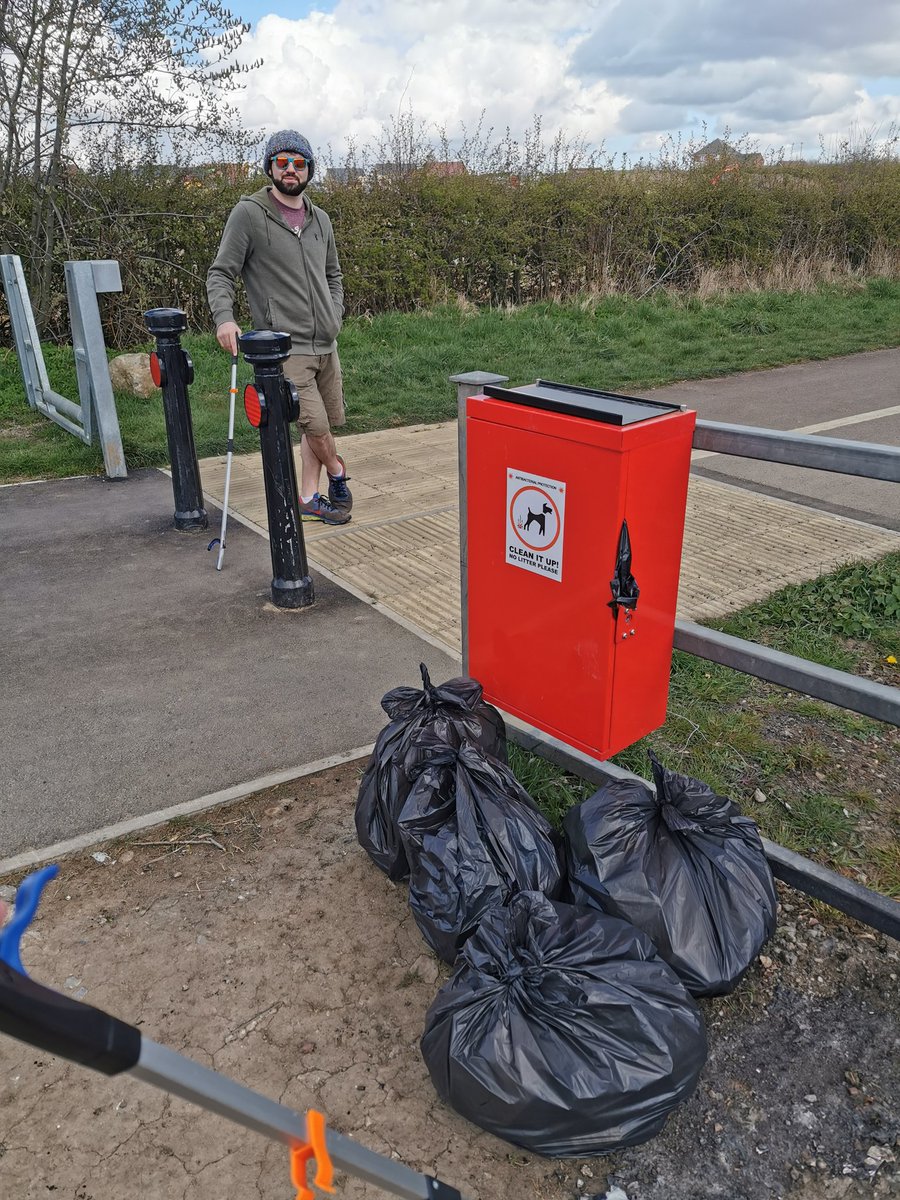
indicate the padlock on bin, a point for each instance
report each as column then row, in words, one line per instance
column 575, row 507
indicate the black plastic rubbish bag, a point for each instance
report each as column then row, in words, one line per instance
column 473, row 838
column 562, row 1031
column 684, row 866
column 450, row 712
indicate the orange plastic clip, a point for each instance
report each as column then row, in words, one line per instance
column 315, row 1147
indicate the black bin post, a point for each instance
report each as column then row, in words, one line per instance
column 173, row 371
column 271, row 405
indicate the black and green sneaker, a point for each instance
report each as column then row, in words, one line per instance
column 338, row 492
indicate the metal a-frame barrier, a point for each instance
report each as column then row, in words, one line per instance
column 97, row 409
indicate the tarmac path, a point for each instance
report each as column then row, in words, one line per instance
column 855, row 398
column 137, row 677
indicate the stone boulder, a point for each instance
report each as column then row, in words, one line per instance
column 131, row 373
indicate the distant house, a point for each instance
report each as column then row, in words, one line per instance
column 344, row 175
column 718, row 153
column 391, row 170
column 232, row 174
column 445, row 170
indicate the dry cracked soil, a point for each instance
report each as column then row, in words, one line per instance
column 260, row 941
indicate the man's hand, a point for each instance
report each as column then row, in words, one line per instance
column 227, row 335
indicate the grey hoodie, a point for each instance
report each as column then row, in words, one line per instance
column 293, row 283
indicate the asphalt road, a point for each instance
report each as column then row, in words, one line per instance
column 855, row 398
column 137, row 677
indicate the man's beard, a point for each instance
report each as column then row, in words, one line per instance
column 289, row 189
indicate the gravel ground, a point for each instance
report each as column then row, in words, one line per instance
column 261, row 941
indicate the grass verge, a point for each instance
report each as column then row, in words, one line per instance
column 396, row 366
column 818, row 779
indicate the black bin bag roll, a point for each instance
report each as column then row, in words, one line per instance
column 684, row 866
column 562, row 1031
column 451, row 712
column 473, row 838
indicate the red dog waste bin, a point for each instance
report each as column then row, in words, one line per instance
column 575, row 517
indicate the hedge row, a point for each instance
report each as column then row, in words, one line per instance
column 419, row 239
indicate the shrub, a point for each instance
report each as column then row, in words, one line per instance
column 492, row 239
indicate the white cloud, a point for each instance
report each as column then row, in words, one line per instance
column 653, row 37
column 619, row 72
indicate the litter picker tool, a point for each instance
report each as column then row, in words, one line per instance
column 58, row 1024
column 233, row 392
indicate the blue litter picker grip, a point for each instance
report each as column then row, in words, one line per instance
column 28, row 896
column 47, row 1019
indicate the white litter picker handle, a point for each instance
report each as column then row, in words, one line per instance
column 230, row 452
column 56, row 1023
column 61, row 1025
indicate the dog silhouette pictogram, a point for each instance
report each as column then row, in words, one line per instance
column 539, row 519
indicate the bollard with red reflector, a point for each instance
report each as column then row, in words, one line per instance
column 172, row 371
column 271, row 406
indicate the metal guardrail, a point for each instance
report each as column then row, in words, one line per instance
column 871, row 461
column 841, row 688
column 799, row 674
column 868, row 459
column 846, row 895
column 97, row 409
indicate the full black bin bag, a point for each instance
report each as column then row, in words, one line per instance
column 451, row 712
column 684, row 866
column 562, row 1031
column 473, row 838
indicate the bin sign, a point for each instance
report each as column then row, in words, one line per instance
column 535, row 523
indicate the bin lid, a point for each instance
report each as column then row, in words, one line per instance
column 608, row 407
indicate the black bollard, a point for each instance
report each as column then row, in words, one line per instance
column 172, row 370
column 271, row 406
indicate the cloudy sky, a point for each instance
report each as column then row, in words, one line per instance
column 621, row 74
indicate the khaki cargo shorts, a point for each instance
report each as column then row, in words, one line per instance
column 320, row 387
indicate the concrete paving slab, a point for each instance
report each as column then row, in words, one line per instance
column 741, row 546
column 871, row 500
column 136, row 676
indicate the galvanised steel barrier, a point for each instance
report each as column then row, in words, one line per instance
column 865, row 459
column 96, row 410
column 800, row 450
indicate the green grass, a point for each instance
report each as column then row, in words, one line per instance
column 396, row 366
column 828, row 775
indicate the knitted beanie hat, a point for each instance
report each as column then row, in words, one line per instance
column 287, row 139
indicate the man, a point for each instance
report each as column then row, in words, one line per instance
column 282, row 247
